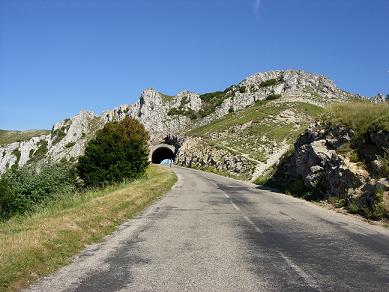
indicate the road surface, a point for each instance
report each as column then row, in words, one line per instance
column 216, row 234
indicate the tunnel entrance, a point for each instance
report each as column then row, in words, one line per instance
column 161, row 152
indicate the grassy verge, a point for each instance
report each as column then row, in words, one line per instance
column 36, row 245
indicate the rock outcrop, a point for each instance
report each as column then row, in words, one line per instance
column 66, row 141
column 196, row 153
column 320, row 167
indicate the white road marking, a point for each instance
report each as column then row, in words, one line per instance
column 235, row 206
column 252, row 224
column 308, row 279
column 227, row 196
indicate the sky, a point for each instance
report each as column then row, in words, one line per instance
column 58, row 57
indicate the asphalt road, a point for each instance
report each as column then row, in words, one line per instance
column 216, row 234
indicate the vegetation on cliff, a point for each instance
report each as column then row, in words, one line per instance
column 343, row 159
column 259, row 130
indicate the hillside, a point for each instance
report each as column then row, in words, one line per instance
column 256, row 137
column 343, row 159
column 250, row 122
column 8, row 137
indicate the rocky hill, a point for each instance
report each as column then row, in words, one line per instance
column 343, row 159
column 239, row 131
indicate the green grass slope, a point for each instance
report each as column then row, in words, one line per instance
column 7, row 137
column 259, row 131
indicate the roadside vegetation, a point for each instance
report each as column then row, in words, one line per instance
column 34, row 245
column 49, row 213
column 7, row 137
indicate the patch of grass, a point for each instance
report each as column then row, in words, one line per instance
column 70, row 144
column 17, row 154
column 40, row 152
column 273, row 96
column 255, row 113
column 359, row 116
column 374, row 208
column 60, row 133
column 36, row 245
column 337, row 202
column 167, row 98
column 270, row 82
column 210, row 101
column 8, row 137
column 244, row 130
column 347, row 151
column 183, row 109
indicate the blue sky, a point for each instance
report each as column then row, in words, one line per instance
column 60, row 56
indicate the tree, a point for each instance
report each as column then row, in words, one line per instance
column 119, row 151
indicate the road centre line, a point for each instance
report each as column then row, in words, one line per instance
column 235, row 206
column 227, row 196
column 252, row 224
column 308, row 279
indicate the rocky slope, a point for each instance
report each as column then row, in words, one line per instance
column 333, row 163
column 172, row 116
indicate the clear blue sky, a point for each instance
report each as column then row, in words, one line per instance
column 60, row 56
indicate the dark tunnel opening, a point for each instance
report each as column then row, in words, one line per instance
column 162, row 153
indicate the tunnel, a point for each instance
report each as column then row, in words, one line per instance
column 162, row 152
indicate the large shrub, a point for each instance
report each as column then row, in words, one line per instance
column 22, row 190
column 119, row 151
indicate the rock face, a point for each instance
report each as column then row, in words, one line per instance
column 319, row 165
column 66, row 142
column 196, row 153
column 291, row 85
column 380, row 98
column 165, row 116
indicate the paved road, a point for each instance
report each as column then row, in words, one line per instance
column 215, row 234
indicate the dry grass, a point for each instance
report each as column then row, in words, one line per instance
column 36, row 245
column 7, row 137
column 360, row 116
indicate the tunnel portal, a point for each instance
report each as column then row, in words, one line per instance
column 161, row 152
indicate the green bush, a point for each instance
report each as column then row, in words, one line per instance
column 40, row 152
column 70, row 144
column 269, row 82
column 373, row 208
column 273, row 96
column 119, row 151
column 210, row 101
column 22, row 190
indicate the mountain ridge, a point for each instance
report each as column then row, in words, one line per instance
column 164, row 116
